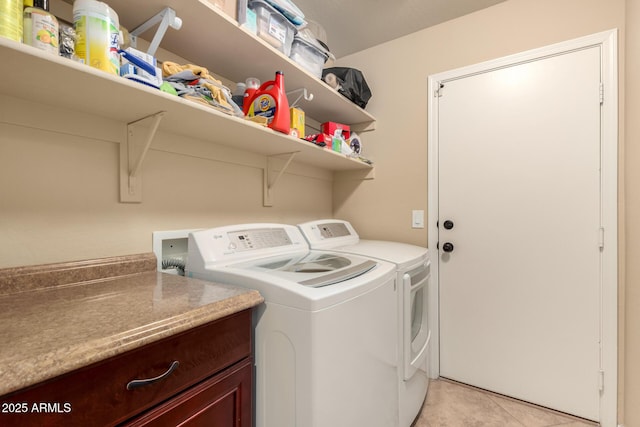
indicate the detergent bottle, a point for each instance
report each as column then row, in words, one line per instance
column 251, row 86
column 270, row 101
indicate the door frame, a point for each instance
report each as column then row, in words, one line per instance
column 607, row 41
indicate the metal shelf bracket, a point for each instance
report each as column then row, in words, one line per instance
column 133, row 151
column 270, row 181
column 166, row 18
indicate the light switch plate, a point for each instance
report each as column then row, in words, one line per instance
column 417, row 219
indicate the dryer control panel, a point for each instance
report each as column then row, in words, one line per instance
column 331, row 230
column 329, row 233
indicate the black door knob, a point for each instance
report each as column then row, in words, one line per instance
column 447, row 247
column 448, row 224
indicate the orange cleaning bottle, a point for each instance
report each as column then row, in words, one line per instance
column 270, row 101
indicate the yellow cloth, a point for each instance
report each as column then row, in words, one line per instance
column 170, row 68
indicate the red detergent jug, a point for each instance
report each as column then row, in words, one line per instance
column 270, row 101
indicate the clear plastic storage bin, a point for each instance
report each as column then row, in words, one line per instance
column 308, row 56
column 272, row 26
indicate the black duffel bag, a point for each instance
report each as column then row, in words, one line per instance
column 352, row 84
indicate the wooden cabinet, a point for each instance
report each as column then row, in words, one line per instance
column 219, row 401
column 212, row 381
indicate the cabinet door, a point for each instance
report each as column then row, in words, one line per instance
column 221, row 401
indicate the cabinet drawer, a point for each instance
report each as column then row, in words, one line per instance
column 221, row 401
column 98, row 394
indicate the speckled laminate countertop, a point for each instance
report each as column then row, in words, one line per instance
column 58, row 318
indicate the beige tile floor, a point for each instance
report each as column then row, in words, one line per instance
column 451, row 404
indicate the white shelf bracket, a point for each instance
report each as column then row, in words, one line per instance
column 133, row 151
column 363, row 127
column 304, row 93
column 269, row 181
column 167, row 18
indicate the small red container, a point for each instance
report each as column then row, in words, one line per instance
column 329, row 128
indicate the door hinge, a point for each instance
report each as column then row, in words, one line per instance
column 601, row 93
column 601, row 238
column 601, row 380
column 438, row 92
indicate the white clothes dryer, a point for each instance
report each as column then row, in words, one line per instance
column 413, row 276
column 325, row 341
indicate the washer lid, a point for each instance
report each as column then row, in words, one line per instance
column 315, row 269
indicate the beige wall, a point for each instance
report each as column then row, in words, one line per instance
column 397, row 72
column 59, row 171
column 60, row 188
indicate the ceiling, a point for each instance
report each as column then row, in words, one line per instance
column 355, row 25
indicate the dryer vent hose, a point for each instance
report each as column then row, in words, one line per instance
column 176, row 263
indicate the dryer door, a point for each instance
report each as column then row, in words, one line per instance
column 415, row 332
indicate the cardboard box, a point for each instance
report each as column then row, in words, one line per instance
column 330, row 128
column 297, row 122
column 229, row 7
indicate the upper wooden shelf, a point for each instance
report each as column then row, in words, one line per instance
column 212, row 39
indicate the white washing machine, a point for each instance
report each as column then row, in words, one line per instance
column 413, row 275
column 325, row 338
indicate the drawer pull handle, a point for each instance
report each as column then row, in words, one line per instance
column 133, row 384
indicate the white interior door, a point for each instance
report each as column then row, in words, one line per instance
column 519, row 179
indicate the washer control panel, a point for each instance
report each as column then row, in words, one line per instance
column 238, row 242
column 245, row 240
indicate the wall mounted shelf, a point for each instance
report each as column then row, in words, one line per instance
column 209, row 38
